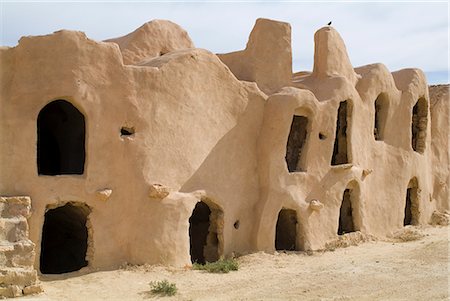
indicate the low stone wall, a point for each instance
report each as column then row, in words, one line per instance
column 17, row 275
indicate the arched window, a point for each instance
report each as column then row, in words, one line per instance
column 381, row 112
column 60, row 139
column 340, row 155
column 419, row 125
column 296, row 142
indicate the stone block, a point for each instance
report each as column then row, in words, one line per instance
column 15, row 207
column 32, row 289
column 17, row 276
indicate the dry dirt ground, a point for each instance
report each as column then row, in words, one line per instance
column 375, row 270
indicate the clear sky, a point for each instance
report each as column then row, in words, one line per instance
column 401, row 34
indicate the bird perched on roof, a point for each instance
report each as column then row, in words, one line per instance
column 329, row 23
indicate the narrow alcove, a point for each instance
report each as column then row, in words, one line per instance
column 296, row 143
column 411, row 216
column 381, row 112
column 340, row 155
column 286, row 230
column 346, row 221
column 419, row 125
column 60, row 139
column 203, row 233
column 64, row 239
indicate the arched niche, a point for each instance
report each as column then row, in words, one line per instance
column 381, row 107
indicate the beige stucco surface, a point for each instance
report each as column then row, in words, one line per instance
column 207, row 130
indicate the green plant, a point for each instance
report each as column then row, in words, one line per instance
column 164, row 288
column 220, row 266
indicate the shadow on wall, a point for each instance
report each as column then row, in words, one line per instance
column 235, row 155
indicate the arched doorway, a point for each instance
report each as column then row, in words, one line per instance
column 64, row 241
column 286, row 230
column 346, row 221
column 411, row 216
column 60, row 139
column 205, row 233
column 381, row 113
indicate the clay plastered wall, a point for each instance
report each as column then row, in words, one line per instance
column 378, row 172
column 204, row 135
column 440, row 124
column 141, row 43
column 267, row 58
column 188, row 112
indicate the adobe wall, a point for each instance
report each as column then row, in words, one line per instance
column 202, row 134
column 440, row 124
column 195, row 126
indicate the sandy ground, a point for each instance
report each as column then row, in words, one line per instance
column 376, row 270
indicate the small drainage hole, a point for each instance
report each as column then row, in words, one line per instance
column 236, row 224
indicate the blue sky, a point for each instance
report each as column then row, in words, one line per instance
column 399, row 34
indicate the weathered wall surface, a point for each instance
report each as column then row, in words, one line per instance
column 153, row 39
column 440, row 125
column 198, row 133
column 267, row 59
column 183, row 106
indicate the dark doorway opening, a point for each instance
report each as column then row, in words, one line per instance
column 60, row 139
column 64, row 239
column 419, row 125
column 380, row 116
column 408, row 215
column 340, row 143
column 286, row 230
column 295, row 144
column 346, row 224
column 411, row 206
column 203, row 234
